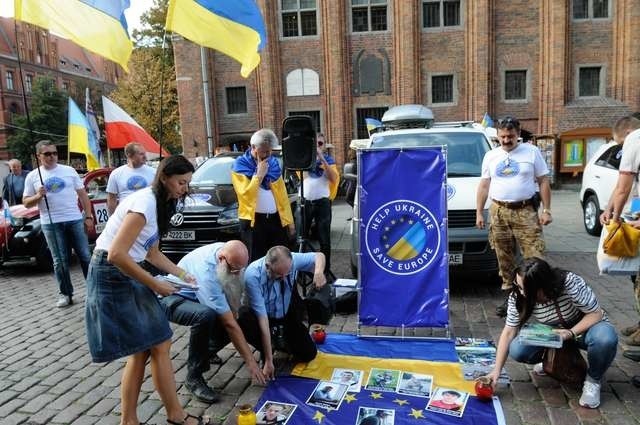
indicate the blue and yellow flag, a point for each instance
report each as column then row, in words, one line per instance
column 96, row 25
column 81, row 138
column 403, row 237
column 487, row 121
column 235, row 28
column 372, row 124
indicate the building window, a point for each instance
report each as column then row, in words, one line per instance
column 590, row 9
column 28, row 83
column 65, row 86
column 236, row 100
column 515, row 85
column 368, row 15
column 303, row 82
column 315, row 117
column 442, row 89
column 361, row 114
column 9, row 76
column 441, row 13
column 299, row 18
column 589, row 81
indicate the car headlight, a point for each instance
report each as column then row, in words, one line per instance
column 18, row 221
column 228, row 217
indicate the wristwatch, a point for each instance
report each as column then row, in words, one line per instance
column 546, row 211
column 89, row 218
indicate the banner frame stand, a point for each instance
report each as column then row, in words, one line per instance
column 358, row 220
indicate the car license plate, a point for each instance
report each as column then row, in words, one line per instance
column 181, row 235
column 455, row 259
column 101, row 215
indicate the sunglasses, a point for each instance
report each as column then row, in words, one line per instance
column 231, row 269
column 48, row 154
column 508, row 122
column 320, row 143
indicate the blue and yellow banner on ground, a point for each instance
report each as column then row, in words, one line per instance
column 403, row 237
column 428, row 357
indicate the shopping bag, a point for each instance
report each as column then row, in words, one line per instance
column 565, row 364
column 614, row 265
column 621, row 240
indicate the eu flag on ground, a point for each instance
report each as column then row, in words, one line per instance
column 81, row 139
column 487, row 121
column 372, row 124
column 235, row 28
column 96, row 25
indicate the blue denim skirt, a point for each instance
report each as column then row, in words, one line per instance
column 122, row 316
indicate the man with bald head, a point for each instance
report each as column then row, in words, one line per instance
column 14, row 183
column 211, row 310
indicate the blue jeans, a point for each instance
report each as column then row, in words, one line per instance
column 61, row 237
column 600, row 341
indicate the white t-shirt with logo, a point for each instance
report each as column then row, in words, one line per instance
column 316, row 187
column 513, row 174
column 61, row 183
column 143, row 202
column 630, row 161
column 125, row 180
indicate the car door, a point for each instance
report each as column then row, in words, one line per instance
column 604, row 174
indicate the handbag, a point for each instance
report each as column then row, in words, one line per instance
column 610, row 264
column 622, row 240
column 565, row 364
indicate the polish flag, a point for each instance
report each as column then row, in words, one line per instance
column 122, row 129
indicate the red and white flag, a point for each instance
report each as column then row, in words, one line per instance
column 122, row 129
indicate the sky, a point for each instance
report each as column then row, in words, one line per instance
column 132, row 14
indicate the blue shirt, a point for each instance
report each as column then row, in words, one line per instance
column 267, row 297
column 202, row 263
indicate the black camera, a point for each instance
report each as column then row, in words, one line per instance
column 277, row 338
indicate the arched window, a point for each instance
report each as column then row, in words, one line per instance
column 303, row 82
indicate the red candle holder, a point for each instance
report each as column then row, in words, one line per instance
column 319, row 335
column 484, row 389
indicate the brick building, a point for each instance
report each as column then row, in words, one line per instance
column 566, row 68
column 43, row 54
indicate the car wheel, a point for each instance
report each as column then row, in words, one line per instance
column 44, row 262
column 591, row 216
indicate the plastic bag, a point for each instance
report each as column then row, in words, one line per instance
column 609, row 264
column 622, row 240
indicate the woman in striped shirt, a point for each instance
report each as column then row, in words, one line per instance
column 561, row 299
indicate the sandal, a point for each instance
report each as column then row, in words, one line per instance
column 201, row 420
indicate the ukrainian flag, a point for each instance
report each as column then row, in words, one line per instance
column 80, row 136
column 96, row 25
column 487, row 121
column 372, row 124
column 235, row 28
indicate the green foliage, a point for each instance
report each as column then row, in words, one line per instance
column 152, row 31
column 48, row 113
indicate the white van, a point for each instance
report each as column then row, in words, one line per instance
column 413, row 125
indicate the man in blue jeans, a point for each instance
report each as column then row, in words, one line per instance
column 211, row 310
column 55, row 189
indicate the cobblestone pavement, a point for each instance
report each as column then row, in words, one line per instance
column 46, row 375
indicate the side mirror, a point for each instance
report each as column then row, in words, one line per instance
column 350, row 171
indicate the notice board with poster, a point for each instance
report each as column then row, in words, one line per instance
column 578, row 146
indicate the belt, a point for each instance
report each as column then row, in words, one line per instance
column 515, row 205
column 267, row 215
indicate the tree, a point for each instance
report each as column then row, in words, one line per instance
column 152, row 31
column 48, row 113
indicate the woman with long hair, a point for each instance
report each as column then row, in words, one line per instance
column 123, row 315
column 561, row 299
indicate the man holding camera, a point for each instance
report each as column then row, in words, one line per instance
column 320, row 188
column 273, row 320
column 263, row 204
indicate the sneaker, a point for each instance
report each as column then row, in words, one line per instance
column 200, row 390
column 538, row 369
column 64, row 301
column 630, row 330
column 590, row 393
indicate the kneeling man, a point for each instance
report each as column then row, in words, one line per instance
column 218, row 270
column 273, row 319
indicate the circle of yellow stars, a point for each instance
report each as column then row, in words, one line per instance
column 393, row 222
column 350, row 397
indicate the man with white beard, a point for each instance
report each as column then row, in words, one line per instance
column 211, row 310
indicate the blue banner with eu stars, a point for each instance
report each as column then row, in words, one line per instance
column 403, row 237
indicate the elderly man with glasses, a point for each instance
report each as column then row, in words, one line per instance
column 509, row 176
column 55, row 189
column 211, row 311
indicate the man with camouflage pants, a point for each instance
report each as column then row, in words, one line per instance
column 509, row 176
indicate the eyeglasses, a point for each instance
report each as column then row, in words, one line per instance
column 48, row 154
column 508, row 122
column 231, row 269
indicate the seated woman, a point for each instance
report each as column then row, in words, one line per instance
column 553, row 296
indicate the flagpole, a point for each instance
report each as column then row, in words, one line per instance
column 162, row 68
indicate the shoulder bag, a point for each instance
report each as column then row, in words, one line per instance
column 565, row 364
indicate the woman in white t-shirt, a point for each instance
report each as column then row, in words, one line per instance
column 123, row 315
column 563, row 300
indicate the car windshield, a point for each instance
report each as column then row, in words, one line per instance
column 214, row 171
column 464, row 150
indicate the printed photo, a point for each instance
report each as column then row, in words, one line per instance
column 415, row 384
column 275, row 412
column 375, row 416
column 350, row 377
column 383, row 380
column 327, row 395
column 448, row 401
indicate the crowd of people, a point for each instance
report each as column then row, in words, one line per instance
column 128, row 308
